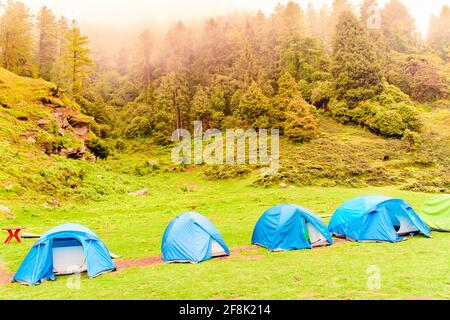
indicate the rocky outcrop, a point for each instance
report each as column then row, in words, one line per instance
column 73, row 153
column 72, row 127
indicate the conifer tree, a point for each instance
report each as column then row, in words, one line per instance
column 16, row 39
column 355, row 67
column 300, row 124
column 254, row 107
column 48, row 43
column 201, row 107
column 439, row 33
column 76, row 58
column 337, row 9
column 399, row 27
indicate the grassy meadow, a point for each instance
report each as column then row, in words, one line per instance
column 133, row 227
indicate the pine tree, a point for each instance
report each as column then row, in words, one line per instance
column 287, row 87
column 144, row 58
column 76, row 58
column 324, row 18
column 356, row 69
column 180, row 56
column 291, row 113
column 368, row 11
column 399, row 27
column 16, row 39
column 439, row 33
column 48, row 43
column 337, row 9
column 62, row 28
column 254, row 108
column 371, row 20
column 312, row 18
column 300, row 124
column 201, row 107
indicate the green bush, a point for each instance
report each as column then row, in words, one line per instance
column 365, row 113
column 410, row 116
column 321, row 94
column 391, row 95
column 139, row 127
column 98, row 148
column 340, row 111
column 389, row 124
column 306, row 89
column 67, row 141
column 413, row 140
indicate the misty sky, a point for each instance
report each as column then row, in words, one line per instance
column 129, row 12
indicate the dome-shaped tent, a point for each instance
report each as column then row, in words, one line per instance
column 192, row 238
column 290, row 227
column 66, row 249
column 436, row 213
column 376, row 218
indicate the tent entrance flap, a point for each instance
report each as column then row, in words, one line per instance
column 406, row 226
column 316, row 238
column 401, row 222
column 68, row 257
column 217, row 250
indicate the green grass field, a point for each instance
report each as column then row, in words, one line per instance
column 133, row 227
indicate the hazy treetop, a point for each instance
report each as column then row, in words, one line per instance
column 125, row 12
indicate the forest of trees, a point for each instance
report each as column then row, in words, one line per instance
column 243, row 70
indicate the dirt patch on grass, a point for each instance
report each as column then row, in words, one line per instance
column 243, row 249
column 5, row 277
column 141, row 262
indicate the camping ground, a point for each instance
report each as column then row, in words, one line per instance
column 133, row 226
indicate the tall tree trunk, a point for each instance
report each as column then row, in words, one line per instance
column 177, row 112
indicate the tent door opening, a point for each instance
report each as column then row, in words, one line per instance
column 316, row 239
column 402, row 224
column 217, row 250
column 68, row 257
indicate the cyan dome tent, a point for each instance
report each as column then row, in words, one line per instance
column 192, row 238
column 436, row 213
column 376, row 218
column 290, row 227
column 66, row 249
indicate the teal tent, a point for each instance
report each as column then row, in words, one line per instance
column 436, row 213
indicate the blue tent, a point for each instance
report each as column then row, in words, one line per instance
column 290, row 227
column 66, row 249
column 192, row 238
column 376, row 218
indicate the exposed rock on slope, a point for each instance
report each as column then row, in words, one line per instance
column 37, row 112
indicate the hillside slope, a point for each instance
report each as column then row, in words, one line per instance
column 38, row 123
column 43, row 153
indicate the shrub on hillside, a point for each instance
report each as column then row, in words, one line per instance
column 412, row 139
column 391, row 95
column 410, row 116
column 365, row 113
column 98, row 148
column 321, row 94
column 418, row 76
column 340, row 111
column 389, row 124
